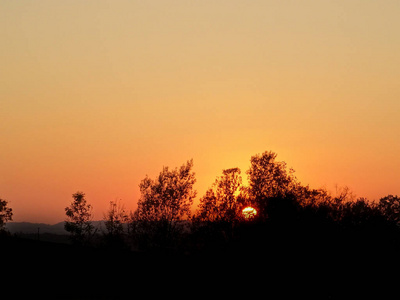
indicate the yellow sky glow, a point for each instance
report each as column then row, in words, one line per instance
column 94, row 95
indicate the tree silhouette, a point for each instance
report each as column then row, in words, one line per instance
column 79, row 217
column 5, row 214
column 390, row 208
column 331, row 207
column 220, row 203
column 115, row 219
column 361, row 214
column 219, row 208
column 271, row 186
column 164, row 203
column 294, row 223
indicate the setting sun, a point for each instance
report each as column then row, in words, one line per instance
column 190, row 136
column 249, row 212
column 96, row 94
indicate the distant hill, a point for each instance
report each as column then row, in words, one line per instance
column 32, row 228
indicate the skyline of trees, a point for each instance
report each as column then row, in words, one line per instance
column 164, row 208
column 164, row 216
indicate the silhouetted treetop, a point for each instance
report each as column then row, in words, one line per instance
column 220, row 203
column 115, row 218
column 269, row 179
column 79, row 217
column 390, row 208
column 6, row 214
column 164, row 203
column 168, row 197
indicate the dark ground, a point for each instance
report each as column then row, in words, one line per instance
column 351, row 267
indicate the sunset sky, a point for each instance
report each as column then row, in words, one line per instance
column 94, row 95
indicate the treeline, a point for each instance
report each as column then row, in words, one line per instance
column 279, row 210
column 274, row 208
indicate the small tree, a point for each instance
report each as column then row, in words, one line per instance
column 5, row 215
column 115, row 219
column 79, row 219
column 164, row 203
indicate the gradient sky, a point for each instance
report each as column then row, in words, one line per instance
column 94, row 95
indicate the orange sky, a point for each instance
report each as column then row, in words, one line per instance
column 94, row 95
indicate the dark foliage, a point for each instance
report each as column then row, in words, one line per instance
column 6, row 214
column 79, row 216
column 163, row 208
column 302, row 241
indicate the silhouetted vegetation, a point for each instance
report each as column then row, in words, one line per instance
column 163, row 208
column 288, row 213
column 79, row 215
column 116, row 220
column 6, row 214
column 297, row 228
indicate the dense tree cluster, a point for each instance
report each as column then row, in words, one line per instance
column 281, row 207
column 285, row 209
